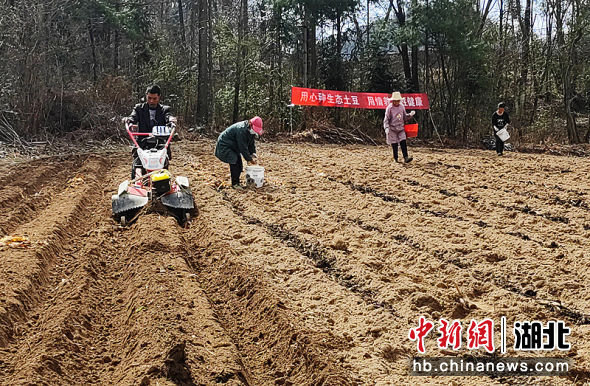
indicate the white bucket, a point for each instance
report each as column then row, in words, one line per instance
column 503, row 134
column 255, row 175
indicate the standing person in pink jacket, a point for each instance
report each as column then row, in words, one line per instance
column 393, row 123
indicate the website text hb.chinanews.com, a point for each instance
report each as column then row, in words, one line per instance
column 527, row 337
column 477, row 366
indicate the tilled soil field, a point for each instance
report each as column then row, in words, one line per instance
column 315, row 278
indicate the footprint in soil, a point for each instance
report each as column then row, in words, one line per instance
column 423, row 300
column 493, row 257
column 340, row 244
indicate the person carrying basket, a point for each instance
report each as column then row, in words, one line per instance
column 500, row 120
column 393, row 123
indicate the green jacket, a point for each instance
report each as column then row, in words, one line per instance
column 235, row 140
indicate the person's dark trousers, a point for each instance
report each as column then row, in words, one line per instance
column 499, row 144
column 404, row 145
column 236, row 170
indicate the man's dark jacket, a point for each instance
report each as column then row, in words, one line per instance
column 235, row 140
column 141, row 116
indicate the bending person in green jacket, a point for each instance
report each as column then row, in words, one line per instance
column 237, row 141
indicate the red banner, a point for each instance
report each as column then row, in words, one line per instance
column 358, row 100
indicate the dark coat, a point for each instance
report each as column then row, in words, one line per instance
column 141, row 116
column 235, row 140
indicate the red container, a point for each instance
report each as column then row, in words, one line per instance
column 411, row 130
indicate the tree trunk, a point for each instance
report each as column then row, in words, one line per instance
column 415, row 82
column 93, row 48
column 181, row 21
column 403, row 48
column 210, row 90
column 203, row 77
column 368, row 23
column 116, row 41
column 312, row 47
column 305, row 51
column 240, row 57
column 525, row 30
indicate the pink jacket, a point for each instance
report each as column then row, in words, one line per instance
column 393, row 123
column 395, row 117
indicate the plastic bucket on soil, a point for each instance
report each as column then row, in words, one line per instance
column 411, row 130
column 255, row 175
column 503, row 135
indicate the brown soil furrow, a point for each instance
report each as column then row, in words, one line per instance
column 327, row 262
column 578, row 316
column 327, row 202
column 273, row 341
column 377, row 175
column 22, row 204
column 274, row 302
column 319, row 254
column 25, row 271
column 22, row 186
column 160, row 325
column 520, row 182
column 573, row 315
column 565, row 243
column 315, row 278
column 284, row 214
column 529, row 165
column 51, row 346
column 275, row 231
column 83, row 330
column 508, row 188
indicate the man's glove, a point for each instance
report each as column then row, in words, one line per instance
column 496, row 129
column 412, row 113
column 126, row 120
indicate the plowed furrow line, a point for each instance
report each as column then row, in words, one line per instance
column 319, row 255
column 53, row 345
column 448, row 192
column 524, row 169
column 273, row 344
column 577, row 316
column 475, row 199
column 24, row 186
column 323, row 259
column 576, row 201
column 518, row 182
column 291, row 209
column 573, row 315
column 158, row 325
column 32, row 198
column 25, row 271
column 366, row 337
column 400, row 196
column 20, row 170
column 309, row 250
column 123, row 308
column 415, row 205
